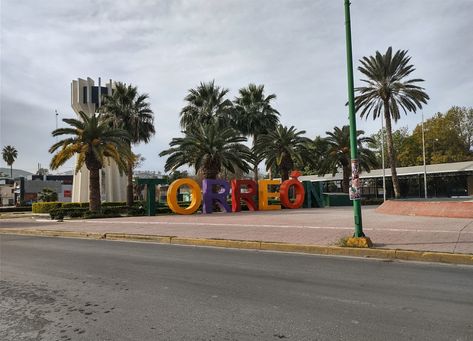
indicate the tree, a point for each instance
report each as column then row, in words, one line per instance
column 9, row 154
column 463, row 121
column 443, row 142
column 47, row 195
column 255, row 116
column 282, row 148
column 401, row 138
column 177, row 174
column 208, row 148
column 130, row 111
column 338, row 154
column 94, row 140
column 206, row 105
column 386, row 92
column 42, row 171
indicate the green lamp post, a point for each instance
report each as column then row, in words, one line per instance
column 353, row 145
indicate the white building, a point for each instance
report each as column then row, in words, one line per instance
column 87, row 97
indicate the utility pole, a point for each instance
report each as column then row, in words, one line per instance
column 423, row 156
column 382, row 156
column 56, row 122
column 353, row 137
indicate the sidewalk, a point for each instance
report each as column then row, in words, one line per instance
column 321, row 227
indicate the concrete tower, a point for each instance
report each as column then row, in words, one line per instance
column 87, row 97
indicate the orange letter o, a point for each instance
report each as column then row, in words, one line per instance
column 195, row 193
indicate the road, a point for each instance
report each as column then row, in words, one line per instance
column 71, row 289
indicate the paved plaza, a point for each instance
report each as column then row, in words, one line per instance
column 304, row 226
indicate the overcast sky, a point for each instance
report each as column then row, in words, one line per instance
column 295, row 48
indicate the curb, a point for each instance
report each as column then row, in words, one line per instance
column 390, row 254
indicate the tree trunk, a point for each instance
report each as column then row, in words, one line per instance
column 129, row 187
column 346, row 179
column 255, row 166
column 284, row 174
column 94, row 190
column 391, row 151
column 11, row 171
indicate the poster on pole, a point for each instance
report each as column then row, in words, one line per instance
column 355, row 184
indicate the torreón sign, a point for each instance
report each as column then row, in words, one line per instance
column 216, row 192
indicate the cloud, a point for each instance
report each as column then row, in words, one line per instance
column 295, row 48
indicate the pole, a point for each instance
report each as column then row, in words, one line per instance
column 351, row 111
column 383, row 159
column 56, row 122
column 423, row 156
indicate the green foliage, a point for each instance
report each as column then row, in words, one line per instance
column 337, row 154
column 45, row 207
column 106, row 212
column 15, row 209
column 400, row 142
column 47, row 195
column 9, row 155
column 74, row 204
column 206, row 105
column 282, row 148
column 94, row 139
column 387, row 92
column 208, row 148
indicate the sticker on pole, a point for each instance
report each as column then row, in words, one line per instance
column 355, row 184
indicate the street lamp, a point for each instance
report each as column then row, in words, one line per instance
column 353, row 145
column 423, row 156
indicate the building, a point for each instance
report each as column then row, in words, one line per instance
column 87, row 97
column 26, row 191
column 444, row 180
column 7, row 192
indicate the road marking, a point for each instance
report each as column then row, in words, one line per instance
column 260, row 225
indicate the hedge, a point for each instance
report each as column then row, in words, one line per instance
column 45, row 207
column 15, row 209
column 106, row 212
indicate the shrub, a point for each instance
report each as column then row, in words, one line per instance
column 45, row 207
column 113, row 204
column 73, row 212
column 72, row 204
column 15, row 209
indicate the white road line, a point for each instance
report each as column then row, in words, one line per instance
column 260, row 225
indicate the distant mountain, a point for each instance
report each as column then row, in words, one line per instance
column 5, row 172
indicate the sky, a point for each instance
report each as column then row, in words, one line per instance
column 296, row 48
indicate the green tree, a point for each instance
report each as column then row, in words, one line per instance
column 130, row 111
column 338, row 154
column 206, row 104
column 255, row 116
column 386, row 92
column 47, row 195
column 443, row 142
column 400, row 142
column 93, row 139
column 208, row 148
column 42, row 171
column 283, row 148
column 9, row 154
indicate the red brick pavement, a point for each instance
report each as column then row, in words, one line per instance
column 309, row 226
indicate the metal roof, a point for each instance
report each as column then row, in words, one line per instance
column 453, row 167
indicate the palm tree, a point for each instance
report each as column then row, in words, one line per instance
column 255, row 116
column 205, row 105
column 9, row 154
column 282, row 148
column 208, row 148
column 93, row 139
column 338, row 154
column 386, row 91
column 130, row 111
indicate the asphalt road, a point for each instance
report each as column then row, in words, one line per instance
column 70, row 289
